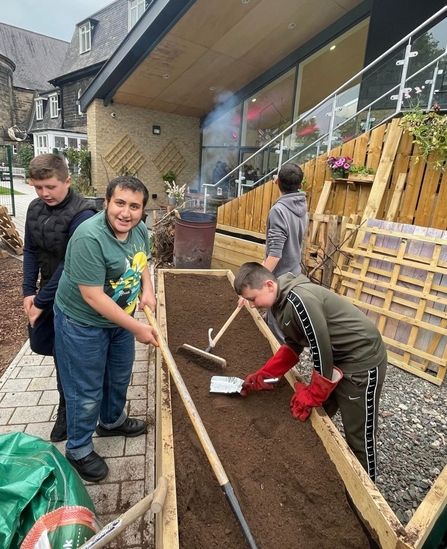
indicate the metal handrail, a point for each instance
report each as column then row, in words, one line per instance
column 332, row 96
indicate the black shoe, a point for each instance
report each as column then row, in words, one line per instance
column 91, row 468
column 132, row 427
column 59, row 431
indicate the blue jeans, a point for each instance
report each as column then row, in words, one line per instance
column 95, row 365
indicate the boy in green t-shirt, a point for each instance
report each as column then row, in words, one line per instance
column 105, row 271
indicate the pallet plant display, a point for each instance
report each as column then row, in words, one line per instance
column 271, row 467
column 397, row 274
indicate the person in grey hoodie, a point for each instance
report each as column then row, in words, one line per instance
column 349, row 355
column 286, row 227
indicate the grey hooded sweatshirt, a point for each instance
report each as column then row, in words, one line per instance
column 286, row 226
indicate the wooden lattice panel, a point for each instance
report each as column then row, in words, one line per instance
column 8, row 232
column 398, row 277
column 124, row 156
column 170, row 159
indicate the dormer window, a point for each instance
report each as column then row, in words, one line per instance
column 136, row 10
column 39, row 109
column 54, row 106
column 85, row 37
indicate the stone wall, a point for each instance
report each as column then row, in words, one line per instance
column 104, row 131
column 23, row 104
column 69, row 95
column 6, row 92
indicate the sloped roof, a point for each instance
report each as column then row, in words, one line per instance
column 37, row 57
column 110, row 29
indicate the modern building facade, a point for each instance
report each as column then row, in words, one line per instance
column 198, row 82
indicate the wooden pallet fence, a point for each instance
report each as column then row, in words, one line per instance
column 403, row 190
column 397, row 275
column 320, row 255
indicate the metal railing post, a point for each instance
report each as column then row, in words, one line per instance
column 403, row 77
column 331, row 124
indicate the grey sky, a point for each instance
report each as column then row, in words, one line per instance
column 56, row 18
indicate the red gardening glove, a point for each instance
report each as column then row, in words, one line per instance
column 275, row 367
column 307, row 397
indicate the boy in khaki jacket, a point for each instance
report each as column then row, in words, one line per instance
column 348, row 352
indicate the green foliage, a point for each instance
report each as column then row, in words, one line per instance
column 24, row 156
column 429, row 132
column 152, row 248
column 169, row 176
column 358, row 169
column 80, row 165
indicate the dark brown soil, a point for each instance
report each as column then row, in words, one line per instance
column 288, row 489
column 13, row 322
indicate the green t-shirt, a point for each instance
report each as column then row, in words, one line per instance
column 95, row 257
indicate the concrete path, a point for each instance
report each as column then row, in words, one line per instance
column 28, row 402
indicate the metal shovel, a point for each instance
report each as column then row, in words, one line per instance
column 226, row 384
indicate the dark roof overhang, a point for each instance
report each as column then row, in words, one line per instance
column 156, row 22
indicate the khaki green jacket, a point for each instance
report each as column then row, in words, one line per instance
column 335, row 330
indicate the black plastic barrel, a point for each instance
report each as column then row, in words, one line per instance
column 194, row 240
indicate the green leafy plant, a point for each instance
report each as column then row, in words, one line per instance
column 24, row 156
column 359, row 169
column 169, row 177
column 80, row 165
column 429, row 132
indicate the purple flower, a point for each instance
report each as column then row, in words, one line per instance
column 346, row 166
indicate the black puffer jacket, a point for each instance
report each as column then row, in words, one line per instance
column 48, row 229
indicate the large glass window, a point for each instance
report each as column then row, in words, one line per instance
column 268, row 112
column 318, row 76
column 224, row 132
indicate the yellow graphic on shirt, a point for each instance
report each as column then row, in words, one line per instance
column 125, row 290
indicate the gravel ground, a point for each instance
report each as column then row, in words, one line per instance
column 411, row 439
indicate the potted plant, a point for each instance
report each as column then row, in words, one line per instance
column 358, row 171
column 429, row 131
column 339, row 166
column 175, row 194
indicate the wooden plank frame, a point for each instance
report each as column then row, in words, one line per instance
column 397, row 275
column 427, row 523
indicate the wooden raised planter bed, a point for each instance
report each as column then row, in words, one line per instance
column 289, row 491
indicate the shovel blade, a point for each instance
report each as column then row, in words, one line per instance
column 226, row 384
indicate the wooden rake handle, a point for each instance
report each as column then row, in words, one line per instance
column 205, row 440
column 221, row 332
column 154, row 501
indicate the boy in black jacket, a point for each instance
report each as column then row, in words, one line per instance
column 51, row 220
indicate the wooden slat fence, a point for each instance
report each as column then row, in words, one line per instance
column 422, row 195
column 398, row 276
